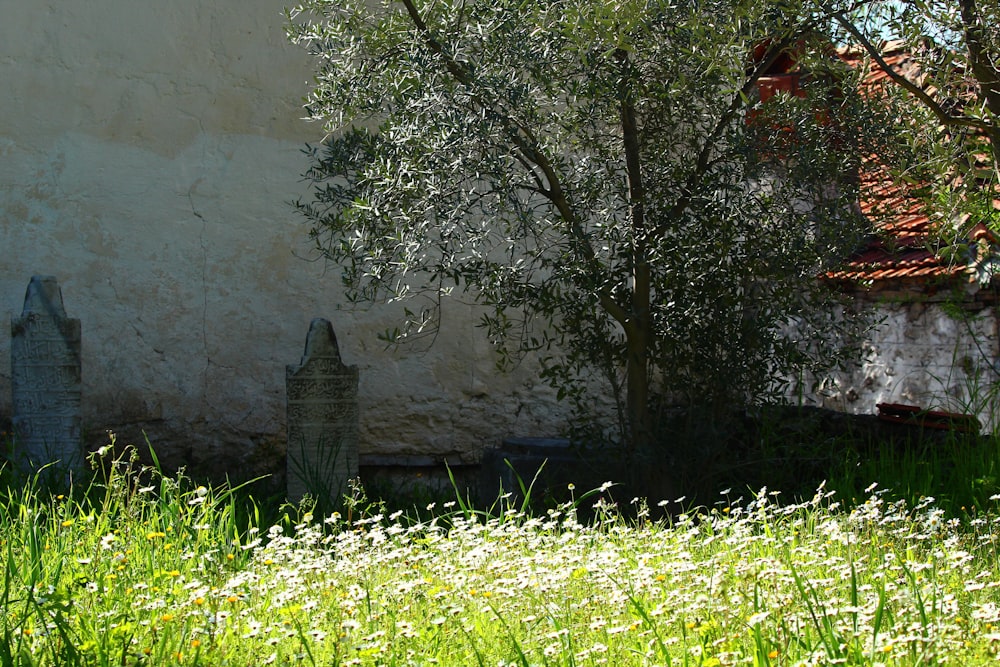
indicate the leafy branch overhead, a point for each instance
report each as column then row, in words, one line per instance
column 952, row 91
column 586, row 172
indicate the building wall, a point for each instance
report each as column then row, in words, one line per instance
column 924, row 353
column 148, row 152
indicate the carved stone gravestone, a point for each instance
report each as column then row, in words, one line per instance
column 46, row 378
column 322, row 419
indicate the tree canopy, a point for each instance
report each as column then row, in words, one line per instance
column 950, row 99
column 587, row 171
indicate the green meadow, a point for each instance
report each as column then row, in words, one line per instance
column 135, row 567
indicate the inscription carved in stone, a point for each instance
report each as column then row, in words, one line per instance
column 322, row 405
column 46, row 378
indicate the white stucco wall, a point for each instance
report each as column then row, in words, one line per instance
column 922, row 354
column 147, row 155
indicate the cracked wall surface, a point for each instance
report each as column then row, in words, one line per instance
column 147, row 157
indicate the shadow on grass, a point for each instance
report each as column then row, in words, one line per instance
column 794, row 450
column 788, row 450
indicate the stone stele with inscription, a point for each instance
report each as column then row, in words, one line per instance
column 322, row 419
column 46, row 379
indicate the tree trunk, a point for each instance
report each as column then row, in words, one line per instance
column 985, row 73
column 638, row 341
column 638, row 328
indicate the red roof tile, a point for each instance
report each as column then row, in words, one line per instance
column 904, row 249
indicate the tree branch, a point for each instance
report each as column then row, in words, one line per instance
column 703, row 162
column 912, row 88
column 985, row 73
column 983, row 70
column 525, row 142
column 630, row 140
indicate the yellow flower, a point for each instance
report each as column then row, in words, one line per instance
column 195, row 643
column 67, row 523
column 773, row 655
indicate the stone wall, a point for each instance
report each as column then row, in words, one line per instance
column 924, row 352
column 147, row 157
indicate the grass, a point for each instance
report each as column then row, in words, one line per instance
column 798, row 452
column 138, row 568
column 962, row 472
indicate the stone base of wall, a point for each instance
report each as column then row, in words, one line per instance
column 785, row 447
column 225, row 455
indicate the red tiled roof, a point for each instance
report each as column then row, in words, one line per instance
column 904, row 249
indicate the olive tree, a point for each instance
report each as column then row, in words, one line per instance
column 587, row 171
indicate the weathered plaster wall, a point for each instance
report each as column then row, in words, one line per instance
column 922, row 354
column 147, row 155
